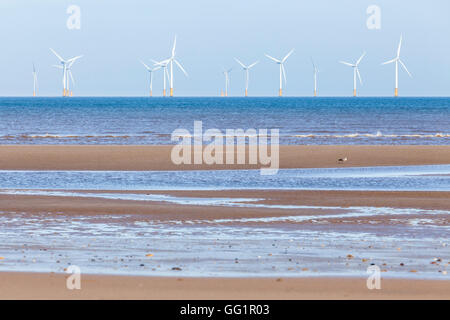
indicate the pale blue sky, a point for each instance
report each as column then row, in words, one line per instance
column 115, row 34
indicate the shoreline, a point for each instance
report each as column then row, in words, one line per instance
column 42, row 286
column 157, row 157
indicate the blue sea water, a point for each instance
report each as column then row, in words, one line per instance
column 152, row 120
column 410, row 178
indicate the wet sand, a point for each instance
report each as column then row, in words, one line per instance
column 168, row 211
column 53, row 286
column 115, row 157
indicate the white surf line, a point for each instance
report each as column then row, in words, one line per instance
column 136, row 197
column 355, row 212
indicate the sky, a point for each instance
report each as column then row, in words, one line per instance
column 114, row 35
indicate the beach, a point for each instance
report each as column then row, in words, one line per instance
column 401, row 231
column 52, row 286
column 153, row 157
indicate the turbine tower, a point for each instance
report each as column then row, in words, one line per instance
column 246, row 69
column 163, row 64
column 171, row 60
column 227, row 80
column 355, row 71
column 397, row 61
column 316, row 71
column 150, row 71
column 65, row 64
column 34, row 81
column 282, row 71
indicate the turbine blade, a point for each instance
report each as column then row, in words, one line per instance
column 359, row 75
column 287, row 56
column 253, row 64
column 272, row 58
column 57, row 55
column 74, row 59
column 174, row 46
column 347, row 63
column 390, row 61
column 359, row 60
column 237, row 60
column 71, row 77
column 179, row 66
column 284, row 73
column 146, row 66
column 399, row 46
column 403, row 65
column 314, row 66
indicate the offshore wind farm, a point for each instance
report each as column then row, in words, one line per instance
column 167, row 68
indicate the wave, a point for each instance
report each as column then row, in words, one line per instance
column 62, row 136
column 371, row 135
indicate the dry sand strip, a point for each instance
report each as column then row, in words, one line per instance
column 115, row 157
column 17, row 285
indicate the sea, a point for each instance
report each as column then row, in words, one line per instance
column 151, row 121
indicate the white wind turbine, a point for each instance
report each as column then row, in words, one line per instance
column 171, row 60
column 355, row 71
column 397, row 61
column 70, row 77
column 316, row 71
column 150, row 71
column 163, row 64
column 65, row 65
column 282, row 71
column 246, row 69
column 34, row 81
column 227, row 80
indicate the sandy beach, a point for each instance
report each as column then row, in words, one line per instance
column 90, row 204
column 53, row 286
column 126, row 157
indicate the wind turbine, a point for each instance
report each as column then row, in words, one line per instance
column 227, row 80
column 70, row 77
column 397, row 61
column 316, row 71
column 282, row 71
column 150, row 71
column 171, row 60
column 65, row 64
column 246, row 69
column 34, row 81
column 355, row 71
column 163, row 64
